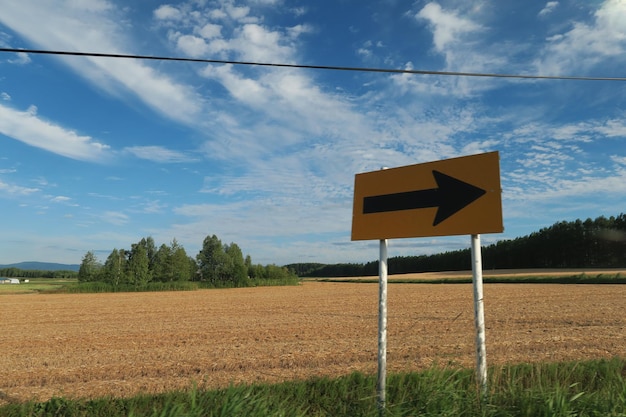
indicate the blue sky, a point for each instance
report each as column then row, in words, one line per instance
column 97, row 153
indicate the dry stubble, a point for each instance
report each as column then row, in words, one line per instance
column 89, row 345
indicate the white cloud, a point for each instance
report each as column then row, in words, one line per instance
column 192, row 45
column 43, row 182
column 99, row 26
column 90, row 5
column 60, row 199
column 237, row 12
column 171, row 99
column 283, row 216
column 22, row 59
column 581, row 132
column 289, row 101
column 12, row 189
column 296, row 31
column 408, row 83
column 167, row 12
column 461, row 40
column 249, row 91
column 553, row 164
column 267, row 2
column 158, row 154
column 288, row 110
column 586, row 44
column 34, row 131
column 479, row 147
column 245, row 38
column 210, row 31
column 115, row 218
column 152, row 207
column 613, row 128
column 619, row 159
column 447, row 26
column 584, row 187
column 257, row 43
column 548, row 8
column 217, row 14
column 4, row 96
column 364, row 52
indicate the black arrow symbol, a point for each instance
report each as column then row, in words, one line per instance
column 451, row 196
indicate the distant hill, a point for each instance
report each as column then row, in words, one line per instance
column 42, row 266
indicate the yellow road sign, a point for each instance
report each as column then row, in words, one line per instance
column 455, row 196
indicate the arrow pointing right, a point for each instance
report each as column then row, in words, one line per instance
column 451, row 196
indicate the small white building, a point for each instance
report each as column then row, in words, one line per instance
column 9, row 281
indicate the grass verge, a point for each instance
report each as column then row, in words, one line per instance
column 104, row 287
column 590, row 388
column 35, row 285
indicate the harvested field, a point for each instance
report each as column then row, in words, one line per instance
column 504, row 273
column 88, row 345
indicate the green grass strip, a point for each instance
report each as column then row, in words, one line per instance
column 590, row 388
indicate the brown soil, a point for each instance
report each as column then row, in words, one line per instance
column 91, row 345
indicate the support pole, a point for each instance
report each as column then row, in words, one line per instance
column 479, row 314
column 382, row 328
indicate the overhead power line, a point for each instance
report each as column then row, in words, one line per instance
column 320, row 67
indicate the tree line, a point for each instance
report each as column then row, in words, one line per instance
column 215, row 265
column 13, row 272
column 598, row 243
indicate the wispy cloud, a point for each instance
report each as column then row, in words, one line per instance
column 28, row 127
column 158, row 154
column 459, row 36
column 22, row 59
column 152, row 207
column 98, row 26
column 115, row 217
column 279, row 111
column 586, row 44
column 548, row 8
column 14, row 190
column 60, row 199
column 448, row 26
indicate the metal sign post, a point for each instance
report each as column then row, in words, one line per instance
column 479, row 314
column 458, row 196
column 382, row 328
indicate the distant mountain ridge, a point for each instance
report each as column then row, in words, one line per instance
column 42, row 266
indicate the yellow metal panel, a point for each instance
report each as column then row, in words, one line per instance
column 483, row 215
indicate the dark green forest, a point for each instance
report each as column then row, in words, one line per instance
column 599, row 243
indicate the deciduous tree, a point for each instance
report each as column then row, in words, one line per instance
column 238, row 271
column 114, row 269
column 179, row 261
column 89, row 268
column 213, row 263
column 138, row 265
